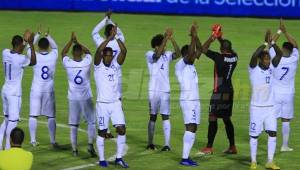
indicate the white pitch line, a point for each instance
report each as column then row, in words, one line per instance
column 112, row 158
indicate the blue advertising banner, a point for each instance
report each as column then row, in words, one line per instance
column 256, row 8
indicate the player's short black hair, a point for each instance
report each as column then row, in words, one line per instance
column 106, row 49
column 77, row 48
column 108, row 29
column 17, row 136
column 263, row 54
column 289, row 46
column 16, row 41
column 184, row 50
column 43, row 43
column 226, row 45
column 157, row 40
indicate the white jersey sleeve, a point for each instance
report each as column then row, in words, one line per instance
column 272, row 52
column 95, row 33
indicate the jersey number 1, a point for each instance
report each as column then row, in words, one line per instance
column 9, row 70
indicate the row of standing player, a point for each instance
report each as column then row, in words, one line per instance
column 269, row 100
column 159, row 99
column 110, row 55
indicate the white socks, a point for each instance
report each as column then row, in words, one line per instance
column 271, row 148
column 100, row 147
column 188, row 142
column 253, row 148
column 73, row 137
column 52, row 129
column 32, row 128
column 167, row 131
column 10, row 126
column 121, row 140
column 2, row 132
column 285, row 133
column 91, row 133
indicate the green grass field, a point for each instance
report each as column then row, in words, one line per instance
column 245, row 33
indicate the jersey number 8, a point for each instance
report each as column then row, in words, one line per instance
column 45, row 74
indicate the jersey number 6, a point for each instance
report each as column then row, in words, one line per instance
column 78, row 79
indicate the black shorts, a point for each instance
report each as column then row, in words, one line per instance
column 221, row 104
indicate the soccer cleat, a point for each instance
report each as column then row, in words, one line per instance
column 91, row 150
column 271, row 165
column 108, row 136
column 206, row 151
column 103, row 164
column 151, row 147
column 188, row 162
column 75, row 153
column 34, row 144
column 253, row 165
column 231, row 150
column 121, row 162
column 286, row 149
column 166, row 148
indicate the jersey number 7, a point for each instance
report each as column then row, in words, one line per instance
column 286, row 70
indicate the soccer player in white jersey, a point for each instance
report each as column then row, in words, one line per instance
column 79, row 93
column 158, row 61
column 42, row 100
column 108, row 25
column 14, row 63
column 262, row 113
column 284, row 83
column 189, row 95
column 108, row 104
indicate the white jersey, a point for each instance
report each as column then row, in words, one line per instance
column 43, row 71
column 159, row 71
column 13, row 65
column 78, row 77
column 261, row 83
column 107, row 82
column 188, row 80
column 284, row 73
column 98, row 40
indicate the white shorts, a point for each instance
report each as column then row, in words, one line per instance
column 191, row 111
column 262, row 118
column 284, row 105
column 11, row 106
column 84, row 107
column 159, row 102
column 42, row 104
column 106, row 111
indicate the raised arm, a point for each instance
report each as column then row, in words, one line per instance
column 207, row 44
column 277, row 58
column 98, row 55
column 68, row 45
column 122, row 55
column 52, row 43
column 260, row 49
column 190, row 58
column 288, row 36
column 32, row 51
column 158, row 52
column 177, row 53
column 198, row 47
column 95, row 33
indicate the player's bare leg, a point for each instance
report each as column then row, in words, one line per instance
column 151, row 129
column 285, row 135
